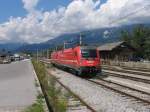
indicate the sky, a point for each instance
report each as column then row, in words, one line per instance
column 15, row 8
column 35, row 21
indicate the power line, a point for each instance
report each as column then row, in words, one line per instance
column 128, row 15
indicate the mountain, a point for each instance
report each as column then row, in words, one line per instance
column 11, row 46
column 91, row 37
column 96, row 36
column 34, row 47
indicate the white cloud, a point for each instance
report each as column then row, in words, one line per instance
column 29, row 5
column 77, row 16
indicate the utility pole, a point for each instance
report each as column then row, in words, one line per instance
column 37, row 54
column 42, row 53
column 64, row 44
column 47, row 54
column 56, row 48
column 80, row 39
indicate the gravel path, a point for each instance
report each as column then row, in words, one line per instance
column 101, row 99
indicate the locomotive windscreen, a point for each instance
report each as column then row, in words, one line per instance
column 88, row 53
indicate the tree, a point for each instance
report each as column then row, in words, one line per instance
column 147, row 48
column 139, row 38
column 125, row 36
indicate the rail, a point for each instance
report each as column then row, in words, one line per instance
column 144, row 80
column 106, row 84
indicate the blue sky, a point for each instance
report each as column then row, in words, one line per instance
column 11, row 8
column 15, row 8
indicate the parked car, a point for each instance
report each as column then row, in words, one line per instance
column 17, row 57
column 6, row 61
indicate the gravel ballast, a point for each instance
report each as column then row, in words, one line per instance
column 98, row 97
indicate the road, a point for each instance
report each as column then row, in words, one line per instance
column 17, row 86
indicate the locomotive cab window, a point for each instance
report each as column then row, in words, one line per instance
column 86, row 53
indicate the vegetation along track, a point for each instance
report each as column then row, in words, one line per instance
column 139, row 96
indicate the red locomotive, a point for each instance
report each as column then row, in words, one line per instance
column 82, row 59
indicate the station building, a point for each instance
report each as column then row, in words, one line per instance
column 117, row 51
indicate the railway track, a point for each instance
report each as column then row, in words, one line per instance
column 130, row 76
column 139, row 96
column 125, row 68
column 76, row 96
column 126, row 91
column 75, row 103
column 128, row 71
column 137, row 69
column 135, row 95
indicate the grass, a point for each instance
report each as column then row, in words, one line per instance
column 56, row 98
column 36, row 107
column 59, row 102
